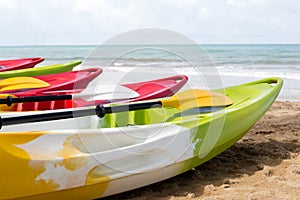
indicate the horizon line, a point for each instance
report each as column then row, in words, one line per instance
column 45, row 45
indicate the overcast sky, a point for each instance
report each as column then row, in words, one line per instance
column 46, row 22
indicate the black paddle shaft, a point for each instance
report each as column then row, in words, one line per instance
column 10, row 100
column 100, row 111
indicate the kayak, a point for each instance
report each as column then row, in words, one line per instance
column 146, row 90
column 6, row 65
column 38, row 71
column 88, row 157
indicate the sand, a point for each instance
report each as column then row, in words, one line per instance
column 264, row 164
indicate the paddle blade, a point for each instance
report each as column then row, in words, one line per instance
column 206, row 101
column 18, row 83
column 196, row 98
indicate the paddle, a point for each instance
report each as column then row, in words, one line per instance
column 18, row 83
column 9, row 102
column 184, row 100
column 85, row 99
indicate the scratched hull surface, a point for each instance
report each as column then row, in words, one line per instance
column 123, row 151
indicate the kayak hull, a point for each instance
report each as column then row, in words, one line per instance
column 90, row 162
column 7, row 65
column 43, row 70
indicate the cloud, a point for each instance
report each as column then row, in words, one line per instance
column 25, row 22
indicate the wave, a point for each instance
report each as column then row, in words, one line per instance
column 64, row 58
column 190, row 71
column 262, row 75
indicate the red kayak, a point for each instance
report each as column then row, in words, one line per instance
column 7, row 65
column 158, row 88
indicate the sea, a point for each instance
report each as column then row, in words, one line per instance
column 234, row 63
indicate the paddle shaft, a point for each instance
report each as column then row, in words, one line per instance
column 10, row 100
column 100, row 111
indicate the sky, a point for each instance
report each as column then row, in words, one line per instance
column 90, row 22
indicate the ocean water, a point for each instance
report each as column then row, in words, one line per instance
column 235, row 63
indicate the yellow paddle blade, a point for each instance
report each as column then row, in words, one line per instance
column 196, row 98
column 4, row 107
column 18, row 83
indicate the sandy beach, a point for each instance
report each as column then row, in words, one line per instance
column 264, row 164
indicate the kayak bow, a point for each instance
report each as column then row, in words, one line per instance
column 23, row 63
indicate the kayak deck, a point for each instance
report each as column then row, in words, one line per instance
column 243, row 96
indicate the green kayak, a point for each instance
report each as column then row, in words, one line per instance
column 43, row 70
column 88, row 157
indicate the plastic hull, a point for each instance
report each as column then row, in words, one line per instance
column 43, row 70
column 90, row 158
column 7, row 65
